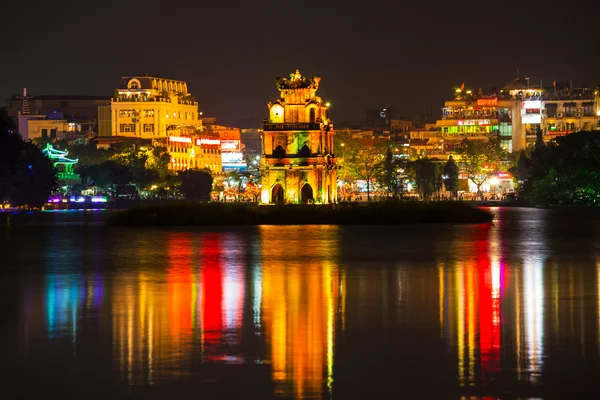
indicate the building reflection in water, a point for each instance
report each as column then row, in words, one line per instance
column 471, row 307
column 501, row 312
column 302, row 290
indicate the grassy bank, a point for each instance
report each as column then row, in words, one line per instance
column 213, row 214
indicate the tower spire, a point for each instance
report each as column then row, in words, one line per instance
column 25, row 106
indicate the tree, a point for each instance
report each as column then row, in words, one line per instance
column 565, row 172
column 238, row 178
column 11, row 145
column 427, row 177
column 158, row 160
column 450, row 176
column 479, row 160
column 522, row 169
column 35, row 178
column 390, row 173
column 26, row 174
column 196, row 184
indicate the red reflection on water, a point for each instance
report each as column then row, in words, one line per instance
column 179, row 285
column 212, row 288
column 489, row 303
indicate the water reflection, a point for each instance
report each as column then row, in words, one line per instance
column 470, row 310
column 301, row 296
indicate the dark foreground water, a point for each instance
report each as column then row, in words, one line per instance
column 509, row 309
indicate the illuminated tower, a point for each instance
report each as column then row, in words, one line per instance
column 298, row 164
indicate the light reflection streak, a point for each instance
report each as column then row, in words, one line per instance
column 534, row 316
column 299, row 308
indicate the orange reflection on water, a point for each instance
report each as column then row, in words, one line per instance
column 470, row 308
column 153, row 313
column 299, row 305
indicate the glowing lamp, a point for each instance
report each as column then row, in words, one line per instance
column 494, row 181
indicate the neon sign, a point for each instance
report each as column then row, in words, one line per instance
column 481, row 122
column 180, row 139
column 487, row 102
column 207, row 141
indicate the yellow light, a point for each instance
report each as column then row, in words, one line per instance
column 469, row 92
column 264, row 196
column 457, row 90
column 328, row 104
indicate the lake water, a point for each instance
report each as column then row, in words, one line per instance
column 504, row 310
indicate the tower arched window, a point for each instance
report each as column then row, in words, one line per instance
column 279, row 152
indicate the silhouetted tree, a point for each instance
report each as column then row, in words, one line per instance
column 196, row 184
column 390, row 172
column 26, row 175
column 450, row 175
column 35, row 178
column 427, row 177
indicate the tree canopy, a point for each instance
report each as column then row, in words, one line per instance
column 564, row 173
column 26, row 175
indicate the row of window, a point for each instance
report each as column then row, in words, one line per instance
column 52, row 133
column 150, row 113
column 174, row 149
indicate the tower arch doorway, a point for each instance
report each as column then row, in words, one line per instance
column 306, row 194
column 277, row 194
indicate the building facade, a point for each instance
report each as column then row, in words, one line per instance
column 55, row 115
column 195, row 152
column 518, row 114
column 150, row 107
column 298, row 164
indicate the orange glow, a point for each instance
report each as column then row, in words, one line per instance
column 299, row 306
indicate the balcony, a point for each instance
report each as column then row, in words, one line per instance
column 470, row 116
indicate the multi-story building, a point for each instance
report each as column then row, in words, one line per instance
column 298, row 164
column 565, row 111
column 231, row 144
column 197, row 151
column 80, row 113
column 517, row 115
column 150, row 107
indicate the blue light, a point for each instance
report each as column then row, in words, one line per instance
column 29, row 166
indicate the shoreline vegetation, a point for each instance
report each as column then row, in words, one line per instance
column 239, row 214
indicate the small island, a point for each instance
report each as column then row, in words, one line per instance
column 232, row 214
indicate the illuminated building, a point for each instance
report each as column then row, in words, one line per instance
column 231, row 144
column 565, row 111
column 517, row 115
column 198, row 151
column 298, row 164
column 150, row 107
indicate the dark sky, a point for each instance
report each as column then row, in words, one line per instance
column 407, row 54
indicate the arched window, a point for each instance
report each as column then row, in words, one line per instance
column 312, row 115
column 304, row 152
column 279, row 152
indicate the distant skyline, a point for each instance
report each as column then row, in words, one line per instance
column 407, row 56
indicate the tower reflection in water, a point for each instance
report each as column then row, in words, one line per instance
column 302, row 291
column 192, row 310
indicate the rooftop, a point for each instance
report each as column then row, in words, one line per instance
column 297, row 81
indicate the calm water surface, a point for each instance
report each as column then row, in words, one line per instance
column 509, row 309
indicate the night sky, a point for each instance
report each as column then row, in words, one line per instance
column 402, row 53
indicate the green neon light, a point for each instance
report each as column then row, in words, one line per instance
column 59, row 157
